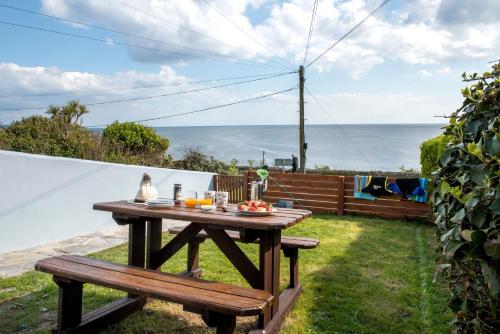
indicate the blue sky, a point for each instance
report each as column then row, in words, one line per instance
column 402, row 66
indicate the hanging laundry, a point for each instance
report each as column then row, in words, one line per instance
column 377, row 186
column 360, row 182
column 413, row 189
column 420, row 194
column 408, row 186
column 393, row 188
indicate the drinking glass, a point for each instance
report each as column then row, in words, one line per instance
column 191, row 199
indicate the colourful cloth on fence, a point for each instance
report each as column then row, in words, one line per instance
column 360, row 182
column 420, row 193
column 377, row 186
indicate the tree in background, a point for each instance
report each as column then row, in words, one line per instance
column 194, row 159
column 136, row 138
column 71, row 113
column 466, row 205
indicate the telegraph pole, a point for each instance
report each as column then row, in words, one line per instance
column 302, row 167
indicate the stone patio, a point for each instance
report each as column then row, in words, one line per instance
column 18, row 262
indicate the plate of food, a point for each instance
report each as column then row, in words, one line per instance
column 255, row 208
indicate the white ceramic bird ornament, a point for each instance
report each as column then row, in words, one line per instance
column 146, row 191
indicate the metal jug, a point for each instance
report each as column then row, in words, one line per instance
column 257, row 189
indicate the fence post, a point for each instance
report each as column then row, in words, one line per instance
column 245, row 185
column 216, row 182
column 340, row 197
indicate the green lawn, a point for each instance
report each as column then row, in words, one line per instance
column 367, row 276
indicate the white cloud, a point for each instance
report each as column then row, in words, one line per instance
column 417, row 31
column 38, row 82
column 380, row 108
column 431, row 72
column 18, row 79
column 280, row 109
column 445, row 70
column 424, row 73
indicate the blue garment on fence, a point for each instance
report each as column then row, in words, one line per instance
column 420, row 193
column 361, row 182
column 393, row 188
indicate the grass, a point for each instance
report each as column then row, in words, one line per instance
column 367, row 276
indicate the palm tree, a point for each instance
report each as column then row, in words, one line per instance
column 71, row 113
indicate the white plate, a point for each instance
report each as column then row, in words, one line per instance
column 160, row 206
column 160, row 201
column 255, row 213
column 132, row 201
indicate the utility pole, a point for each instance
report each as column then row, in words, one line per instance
column 302, row 167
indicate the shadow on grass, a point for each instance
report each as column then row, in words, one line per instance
column 375, row 277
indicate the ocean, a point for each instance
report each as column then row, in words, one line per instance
column 383, row 147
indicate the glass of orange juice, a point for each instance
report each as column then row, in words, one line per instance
column 205, row 201
column 191, row 199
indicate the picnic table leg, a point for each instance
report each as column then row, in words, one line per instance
column 193, row 259
column 269, row 259
column 136, row 243
column 69, row 312
column 154, row 237
column 293, row 254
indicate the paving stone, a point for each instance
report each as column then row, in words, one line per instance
column 17, row 262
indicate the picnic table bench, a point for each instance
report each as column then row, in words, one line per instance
column 218, row 303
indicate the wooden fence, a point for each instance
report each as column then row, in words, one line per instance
column 323, row 194
column 234, row 185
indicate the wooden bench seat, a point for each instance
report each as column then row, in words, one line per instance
column 286, row 241
column 289, row 245
column 218, row 303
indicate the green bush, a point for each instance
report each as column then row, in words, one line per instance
column 430, row 153
column 194, row 159
column 55, row 137
column 466, row 205
column 136, row 137
column 4, row 139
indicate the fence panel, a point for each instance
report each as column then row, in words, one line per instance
column 322, row 194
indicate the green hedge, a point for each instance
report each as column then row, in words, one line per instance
column 466, row 205
column 430, row 153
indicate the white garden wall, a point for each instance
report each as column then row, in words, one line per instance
column 45, row 199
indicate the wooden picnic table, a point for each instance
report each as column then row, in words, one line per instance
column 146, row 250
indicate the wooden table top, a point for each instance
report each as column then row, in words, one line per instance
column 281, row 219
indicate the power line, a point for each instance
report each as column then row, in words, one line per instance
column 204, row 109
column 349, row 32
column 174, row 24
column 311, row 28
column 107, row 42
column 147, row 86
column 156, row 96
column 124, row 33
column 247, row 34
column 340, row 128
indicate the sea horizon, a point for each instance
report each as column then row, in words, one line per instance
column 384, row 147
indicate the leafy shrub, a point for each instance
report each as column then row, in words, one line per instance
column 430, row 153
column 4, row 139
column 322, row 167
column 136, row 137
column 466, row 204
column 194, row 159
column 42, row 135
